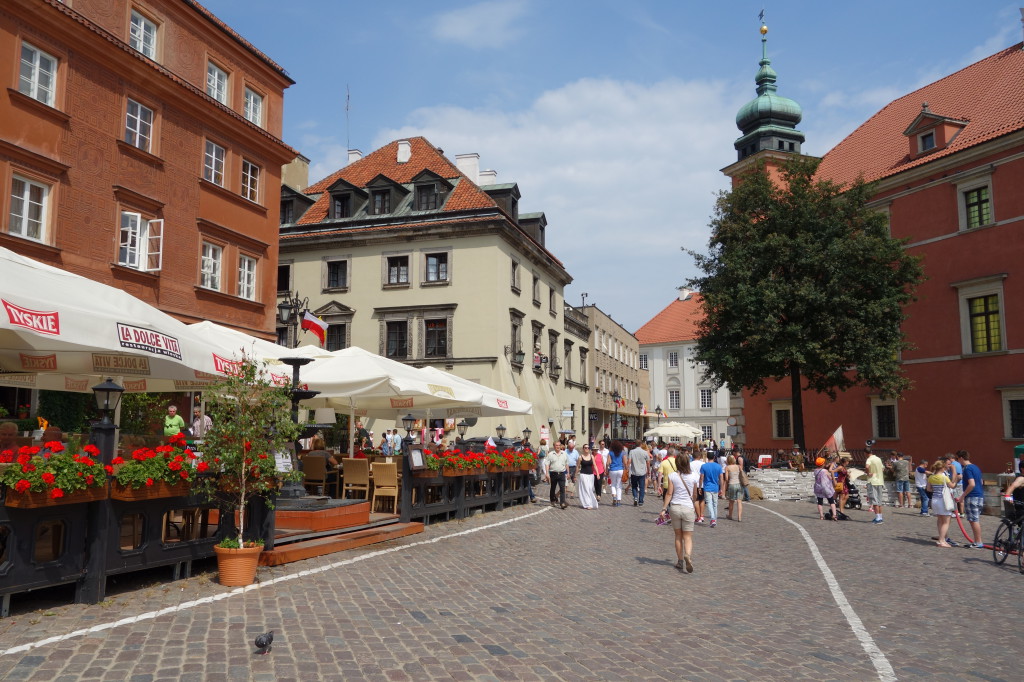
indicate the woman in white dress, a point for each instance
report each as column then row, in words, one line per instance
column 585, row 473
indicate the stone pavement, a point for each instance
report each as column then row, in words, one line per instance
column 552, row 594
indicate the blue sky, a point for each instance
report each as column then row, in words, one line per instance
column 615, row 118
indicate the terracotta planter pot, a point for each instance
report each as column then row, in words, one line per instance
column 451, row 472
column 158, row 490
column 237, row 567
column 426, row 473
column 497, row 469
column 43, row 499
column 526, row 466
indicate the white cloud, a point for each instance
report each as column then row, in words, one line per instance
column 485, row 24
column 625, row 173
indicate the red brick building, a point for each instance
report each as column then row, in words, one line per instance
column 949, row 163
column 140, row 147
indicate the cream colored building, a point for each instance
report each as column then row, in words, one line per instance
column 430, row 262
column 615, row 370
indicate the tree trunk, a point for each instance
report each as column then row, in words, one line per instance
column 798, row 406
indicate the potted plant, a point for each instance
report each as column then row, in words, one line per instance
column 251, row 422
column 164, row 471
column 51, row 475
column 23, row 411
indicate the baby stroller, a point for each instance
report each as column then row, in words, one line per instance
column 853, row 501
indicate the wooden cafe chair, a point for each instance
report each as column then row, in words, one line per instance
column 385, row 484
column 315, row 473
column 356, row 477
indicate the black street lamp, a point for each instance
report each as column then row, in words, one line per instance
column 526, row 434
column 294, row 490
column 92, row 585
column 658, row 411
column 639, row 419
column 462, row 427
column 615, row 422
column 290, row 312
column 500, row 430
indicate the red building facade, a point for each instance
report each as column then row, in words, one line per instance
column 140, row 147
column 949, row 163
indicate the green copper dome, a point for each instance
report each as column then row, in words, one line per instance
column 768, row 107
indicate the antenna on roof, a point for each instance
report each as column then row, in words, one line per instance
column 348, row 143
column 1022, row 22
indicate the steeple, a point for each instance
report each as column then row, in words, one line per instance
column 769, row 120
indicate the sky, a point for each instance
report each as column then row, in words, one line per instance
column 615, row 118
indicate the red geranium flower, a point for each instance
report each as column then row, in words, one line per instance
column 56, row 493
column 54, row 446
column 149, row 481
column 22, row 485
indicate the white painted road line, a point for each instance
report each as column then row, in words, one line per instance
column 878, row 659
column 255, row 586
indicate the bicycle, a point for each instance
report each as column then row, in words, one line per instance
column 1009, row 537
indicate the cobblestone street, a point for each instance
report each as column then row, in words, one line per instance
column 536, row 593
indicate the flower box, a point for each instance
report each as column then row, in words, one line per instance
column 30, row 500
column 426, row 473
column 158, row 490
column 452, row 471
column 497, row 469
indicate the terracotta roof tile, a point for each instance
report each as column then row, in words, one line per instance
column 677, row 322
column 378, row 228
column 989, row 94
column 384, row 161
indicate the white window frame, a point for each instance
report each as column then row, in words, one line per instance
column 427, row 255
column 673, row 359
column 246, row 277
column 386, row 270
column 643, row 360
column 213, row 163
column 877, row 402
column 516, row 269
column 778, row 406
column 142, row 34
column 707, row 431
column 138, row 127
column 37, row 76
column 325, row 282
column 250, row 181
column 975, row 288
column 141, row 242
column 675, row 399
column 921, row 148
column 1007, row 394
column 217, row 80
column 24, row 219
column 252, row 109
column 707, row 398
column 970, row 184
column 210, row 262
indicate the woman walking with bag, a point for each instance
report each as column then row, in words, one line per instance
column 679, row 505
column 616, row 471
column 824, row 489
column 598, row 470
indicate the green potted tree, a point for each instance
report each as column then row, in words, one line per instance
column 251, row 423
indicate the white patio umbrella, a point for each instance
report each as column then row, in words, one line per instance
column 493, row 403
column 367, row 384
column 674, row 430
column 62, row 331
column 254, row 346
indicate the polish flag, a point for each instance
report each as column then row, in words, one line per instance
column 835, row 442
column 311, row 323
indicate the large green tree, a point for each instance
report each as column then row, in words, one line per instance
column 802, row 280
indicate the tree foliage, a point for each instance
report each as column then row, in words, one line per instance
column 802, row 280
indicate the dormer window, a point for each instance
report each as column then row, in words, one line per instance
column 341, row 206
column 426, row 197
column 926, row 142
column 380, row 201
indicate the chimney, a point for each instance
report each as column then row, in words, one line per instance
column 487, row 177
column 468, row 165
column 404, row 151
column 684, row 294
column 354, row 155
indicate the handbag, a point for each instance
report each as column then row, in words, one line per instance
column 625, row 475
column 744, row 481
column 947, row 498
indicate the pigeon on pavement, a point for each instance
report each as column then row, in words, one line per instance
column 264, row 642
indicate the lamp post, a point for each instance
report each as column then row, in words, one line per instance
column 526, row 434
column 639, row 418
column 461, row 427
column 658, row 411
column 92, row 586
column 615, row 422
column 405, row 502
column 294, row 490
column 290, row 311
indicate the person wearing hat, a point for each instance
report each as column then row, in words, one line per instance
column 824, row 489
